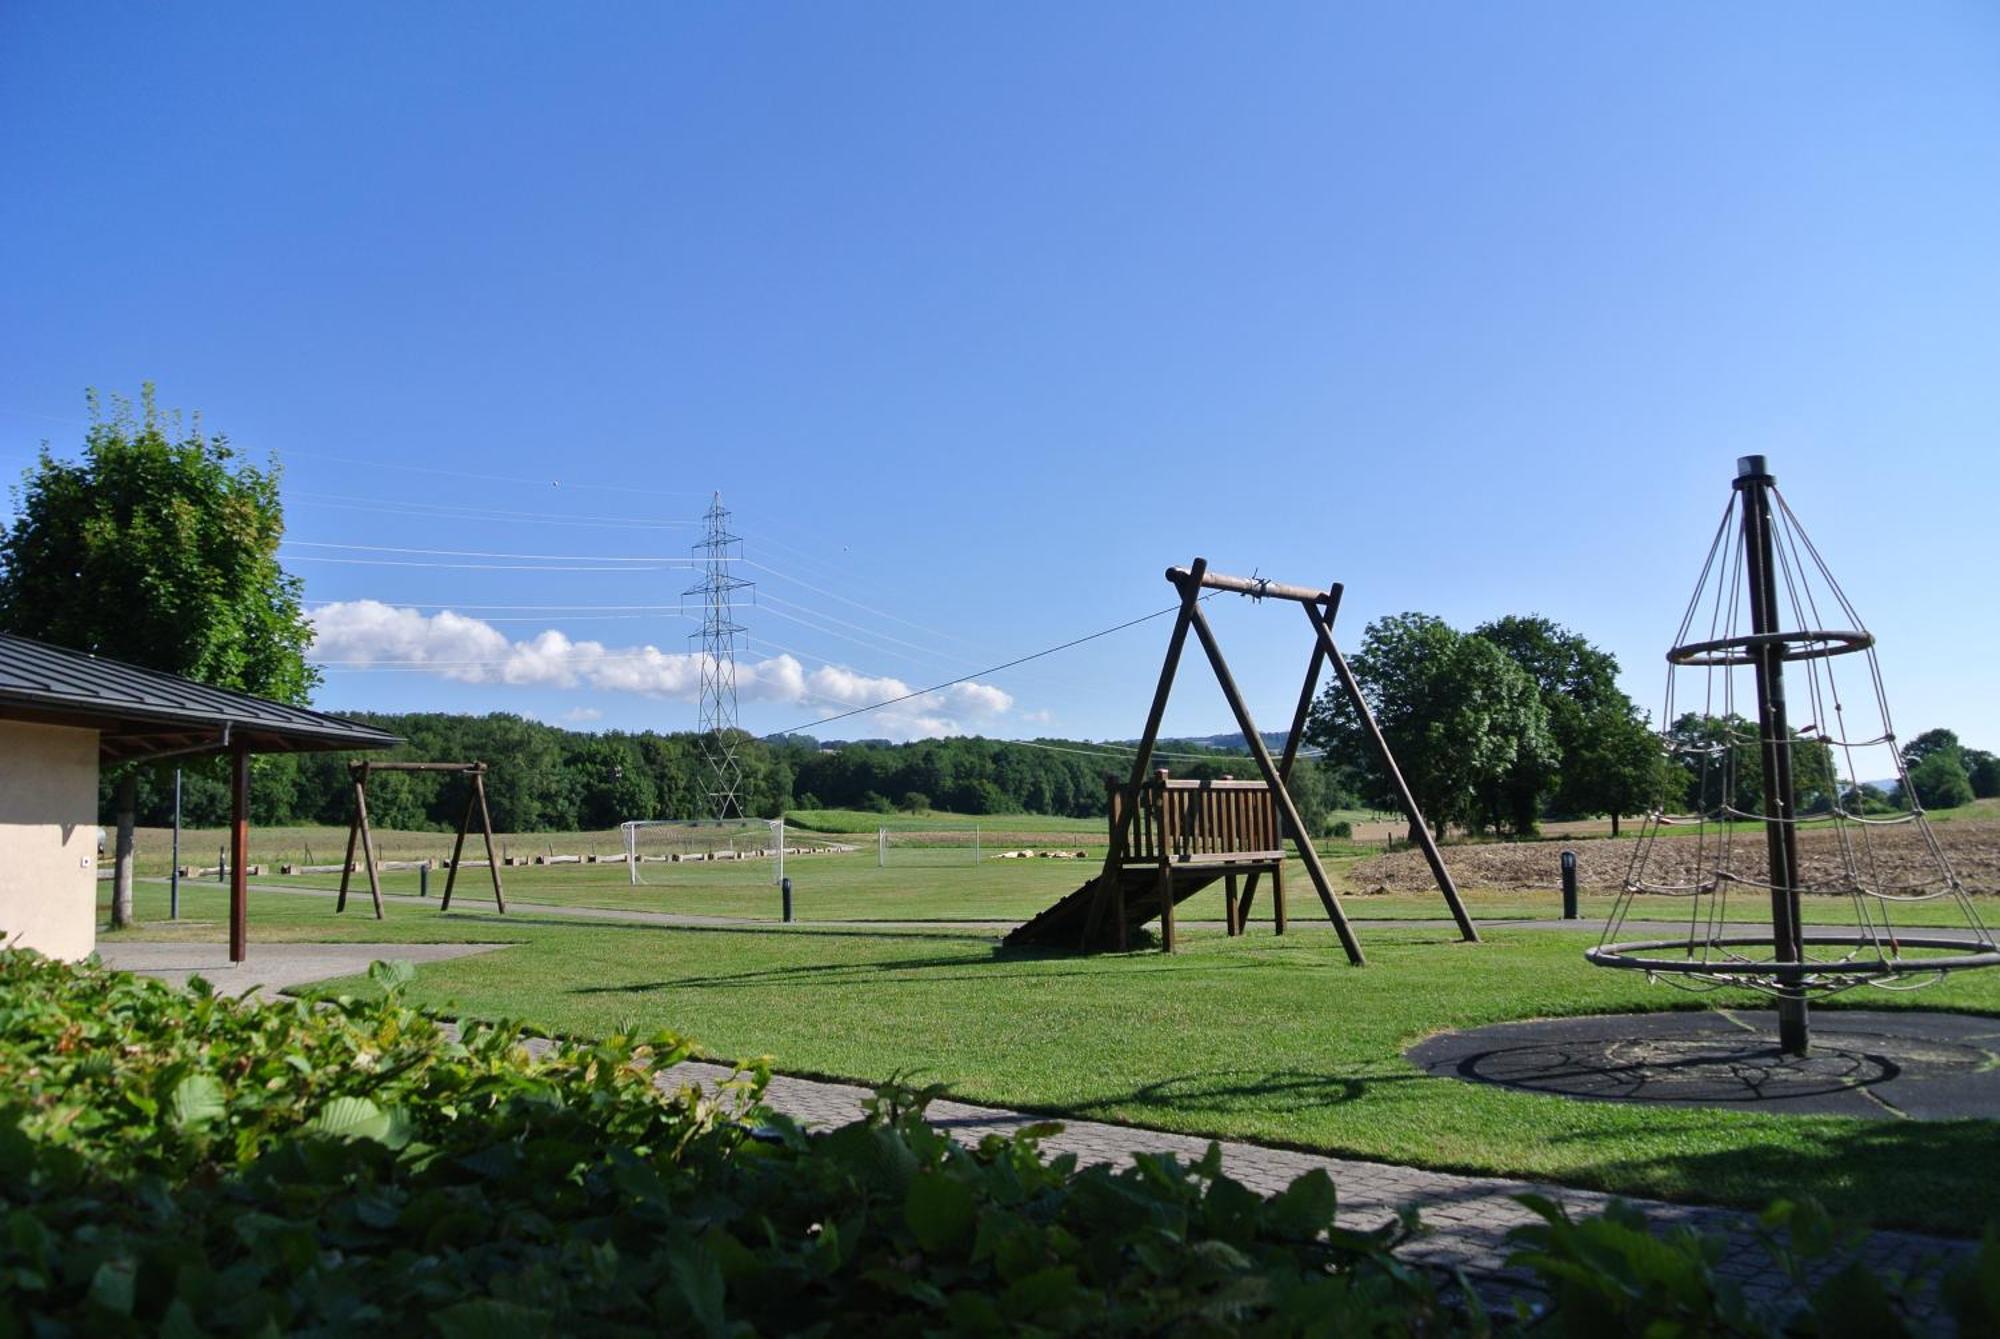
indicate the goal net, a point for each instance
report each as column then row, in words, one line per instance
column 928, row 846
column 651, row 843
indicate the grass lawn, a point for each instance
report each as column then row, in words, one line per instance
column 949, row 887
column 1262, row 1038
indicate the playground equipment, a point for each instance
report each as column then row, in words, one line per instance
column 358, row 829
column 1171, row 839
column 1808, row 777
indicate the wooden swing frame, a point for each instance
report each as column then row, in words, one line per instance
column 1320, row 608
column 358, row 829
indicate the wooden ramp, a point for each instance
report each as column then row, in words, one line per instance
column 1064, row 925
column 1170, row 840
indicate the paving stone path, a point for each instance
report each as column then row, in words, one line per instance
column 1468, row 1216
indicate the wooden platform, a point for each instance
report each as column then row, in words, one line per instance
column 1181, row 836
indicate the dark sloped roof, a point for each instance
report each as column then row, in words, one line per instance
column 139, row 712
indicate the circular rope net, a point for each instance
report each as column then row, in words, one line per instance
column 1701, row 861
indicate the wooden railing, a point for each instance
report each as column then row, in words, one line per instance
column 1198, row 822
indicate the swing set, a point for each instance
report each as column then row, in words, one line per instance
column 358, row 829
column 1172, row 838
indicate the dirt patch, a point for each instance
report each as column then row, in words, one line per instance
column 1601, row 865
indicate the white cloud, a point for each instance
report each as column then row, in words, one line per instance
column 582, row 715
column 367, row 634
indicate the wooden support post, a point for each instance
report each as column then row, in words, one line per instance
column 1279, row 795
column 1229, row 919
column 1395, row 774
column 457, row 853
column 1249, row 899
column 1278, row 900
column 353, row 835
column 239, row 855
column 1166, row 905
column 486, row 821
column 368, row 841
column 1112, row 885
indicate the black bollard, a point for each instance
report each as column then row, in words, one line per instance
column 1569, row 885
column 424, row 879
column 785, row 887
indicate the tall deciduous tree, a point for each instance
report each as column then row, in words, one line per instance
column 1608, row 758
column 160, row 548
column 1460, row 716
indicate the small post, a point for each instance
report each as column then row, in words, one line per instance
column 785, row 891
column 780, row 875
column 222, row 864
column 975, row 843
column 881, row 848
column 424, row 879
column 1569, row 885
column 174, row 874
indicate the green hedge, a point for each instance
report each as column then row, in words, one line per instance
column 178, row 1163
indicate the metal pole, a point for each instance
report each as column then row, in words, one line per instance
column 1569, row 885
column 239, row 854
column 785, row 891
column 881, row 848
column 1781, row 846
column 424, row 878
column 174, row 874
column 781, row 851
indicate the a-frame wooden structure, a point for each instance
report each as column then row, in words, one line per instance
column 1170, row 839
column 475, row 802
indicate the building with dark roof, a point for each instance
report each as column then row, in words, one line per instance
column 63, row 715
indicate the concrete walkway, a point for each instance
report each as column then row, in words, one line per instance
column 1468, row 1216
column 272, row 968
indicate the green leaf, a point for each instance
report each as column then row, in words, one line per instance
column 939, row 1210
column 391, row 974
column 195, row 1101
column 1306, row 1206
column 490, row 1318
column 697, row 1279
column 113, row 1285
column 350, row 1118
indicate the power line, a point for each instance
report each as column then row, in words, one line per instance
column 601, row 569
column 487, row 478
column 879, row 613
column 440, row 511
column 484, row 553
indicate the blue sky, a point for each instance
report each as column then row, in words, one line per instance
column 979, row 317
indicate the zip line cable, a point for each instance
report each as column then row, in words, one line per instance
column 994, row 669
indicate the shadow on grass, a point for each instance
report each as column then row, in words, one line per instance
column 1927, row 1175
column 1231, row 1091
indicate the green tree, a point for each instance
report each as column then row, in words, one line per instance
column 1459, row 715
column 1608, row 759
column 1614, row 765
column 1928, row 743
column 159, row 548
column 1984, row 770
column 1940, row 781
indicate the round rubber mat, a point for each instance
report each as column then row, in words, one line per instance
column 1875, row 1064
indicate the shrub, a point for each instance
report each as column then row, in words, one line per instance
column 176, row 1162
column 1343, row 828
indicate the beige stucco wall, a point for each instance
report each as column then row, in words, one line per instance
column 48, row 838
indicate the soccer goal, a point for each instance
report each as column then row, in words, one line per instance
column 928, row 846
column 707, row 841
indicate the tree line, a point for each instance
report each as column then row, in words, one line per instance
column 546, row 779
